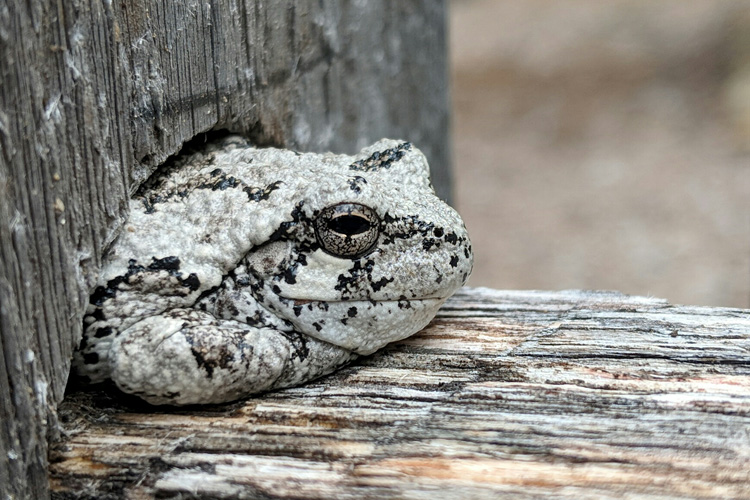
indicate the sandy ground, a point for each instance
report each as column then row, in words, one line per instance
column 594, row 147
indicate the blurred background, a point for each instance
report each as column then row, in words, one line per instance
column 605, row 145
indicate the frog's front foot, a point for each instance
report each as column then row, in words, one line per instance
column 185, row 356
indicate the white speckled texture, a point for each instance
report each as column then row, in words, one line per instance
column 219, row 285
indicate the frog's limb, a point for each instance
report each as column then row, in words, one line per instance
column 229, row 359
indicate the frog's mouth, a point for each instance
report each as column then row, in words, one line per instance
column 361, row 326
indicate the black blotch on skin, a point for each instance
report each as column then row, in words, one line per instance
column 259, row 194
column 103, row 332
column 102, row 293
column 207, row 293
column 404, row 228
column 381, row 159
column 348, row 283
column 290, row 274
column 97, row 315
column 275, row 289
column 352, row 312
column 297, row 310
column 203, row 363
column 170, row 264
column 299, row 343
column 225, row 183
column 255, row 320
column 317, row 326
column 285, row 228
column 354, row 183
column 148, row 206
column 438, row 232
column 221, row 183
column 233, row 311
column 192, row 282
column 381, row 283
column 454, row 261
column 91, row 358
column 221, row 357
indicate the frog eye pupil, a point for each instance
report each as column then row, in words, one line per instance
column 349, row 225
column 347, row 230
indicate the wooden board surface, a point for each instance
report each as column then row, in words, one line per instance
column 567, row 394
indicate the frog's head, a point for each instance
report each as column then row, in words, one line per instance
column 369, row 253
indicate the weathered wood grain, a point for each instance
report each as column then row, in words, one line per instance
column 561, row 394
column 95, row 94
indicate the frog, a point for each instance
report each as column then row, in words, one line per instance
column 242, row 269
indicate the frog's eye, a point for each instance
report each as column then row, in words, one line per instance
column 347, row 229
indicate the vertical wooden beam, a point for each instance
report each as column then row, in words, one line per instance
column 95, row 95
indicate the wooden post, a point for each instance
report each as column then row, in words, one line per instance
column 529, row 394
column 94, row 95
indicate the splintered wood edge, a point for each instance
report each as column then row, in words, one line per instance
column 573, row 394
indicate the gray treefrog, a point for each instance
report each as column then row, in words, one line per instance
column 241, row 270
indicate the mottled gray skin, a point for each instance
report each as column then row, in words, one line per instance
column 219, row 286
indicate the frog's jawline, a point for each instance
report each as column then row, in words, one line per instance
column 303, row 302
column 361, row 325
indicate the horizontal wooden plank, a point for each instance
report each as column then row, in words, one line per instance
column 571, row 394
